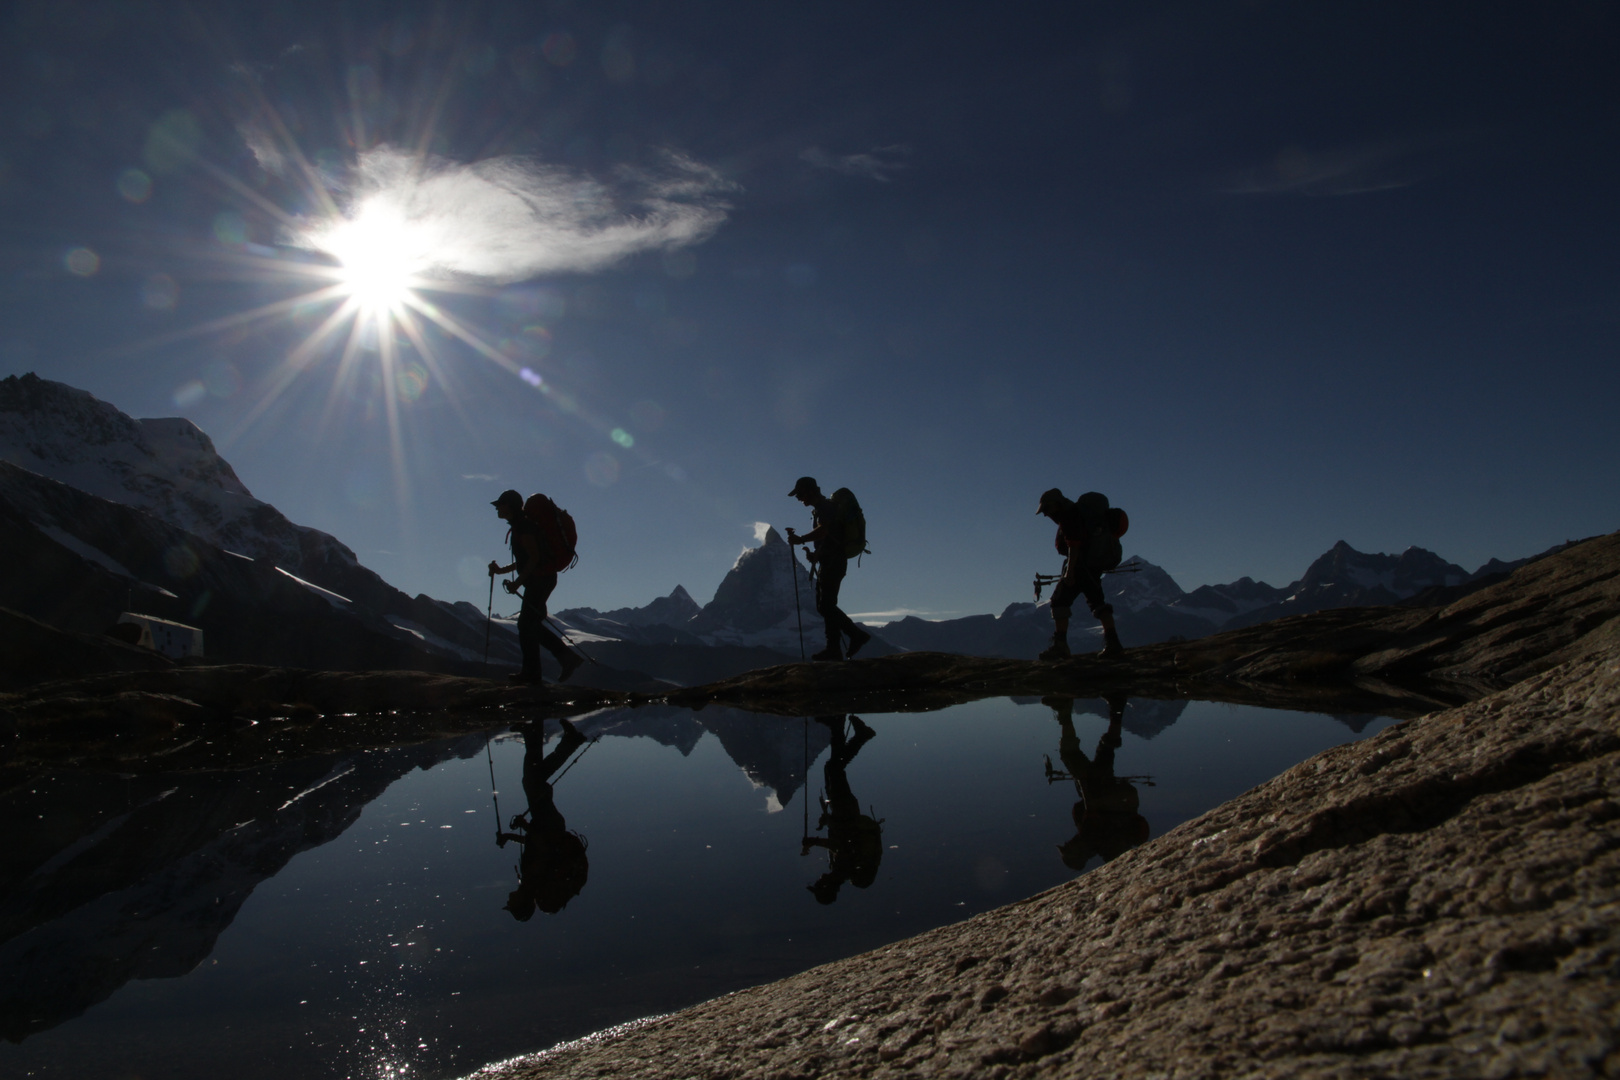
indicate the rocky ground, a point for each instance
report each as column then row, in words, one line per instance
column 1438, row 900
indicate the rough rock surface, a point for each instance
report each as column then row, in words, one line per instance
column 1438, row 900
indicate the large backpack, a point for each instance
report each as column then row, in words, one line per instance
column 556, row 529
column 1107, row 524
column 847, row 512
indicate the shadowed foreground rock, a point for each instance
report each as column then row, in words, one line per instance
column 1439, row 900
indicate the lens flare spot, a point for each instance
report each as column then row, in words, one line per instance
column 172, row 142
column 134, row 185
column 160, row 293
column 82, row 262
column 531, row 377
column 560, row 48
column 181, row 561
column 602, row 469
column 623, row 438
column 189, row 393
column 230, row 229
column 411, row 382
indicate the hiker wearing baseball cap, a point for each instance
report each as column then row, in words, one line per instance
column 529, row 559
column 1089, row 547
column 839, row 533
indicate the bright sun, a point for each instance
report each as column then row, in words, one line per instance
column 380, row 255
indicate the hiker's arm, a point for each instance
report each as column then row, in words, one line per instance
column 810, row 537
column 528, row 563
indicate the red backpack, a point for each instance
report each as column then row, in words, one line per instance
column 557, row 527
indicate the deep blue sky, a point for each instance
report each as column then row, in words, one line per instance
column 1269, row 275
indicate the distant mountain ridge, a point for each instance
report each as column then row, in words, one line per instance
column 762, row 612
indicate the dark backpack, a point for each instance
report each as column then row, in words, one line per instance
column 847, row 512
column 1106, row 524
column 557, row 530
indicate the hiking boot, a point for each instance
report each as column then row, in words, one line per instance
column 829, row 653
column 863, row 730
column 570, row 663
column 1058, row 650
column 856, row 640
column 1112, row 649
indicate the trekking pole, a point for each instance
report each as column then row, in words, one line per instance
column 557, row 626
column 492, row 793
column 576, row 760
column 489, row 620
column 793, row 561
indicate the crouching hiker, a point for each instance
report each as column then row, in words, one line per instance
column 1088, row 539
column 533, row 555
column 839, row 534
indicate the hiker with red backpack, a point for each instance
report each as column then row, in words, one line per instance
column 542, row 542
column 839, row 534
column 1088, row 539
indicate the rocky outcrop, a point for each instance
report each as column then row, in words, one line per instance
column 1438, row 900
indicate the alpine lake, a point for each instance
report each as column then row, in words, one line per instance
column 422, row 910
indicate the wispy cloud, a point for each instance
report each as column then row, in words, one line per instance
column 511, row 218
column 1349, row 170
column 481, row 477
column 875, row 164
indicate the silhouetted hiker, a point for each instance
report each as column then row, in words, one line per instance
column 1106, row 821
column 854, row 841
column 529, row 558
column 1088, row 548
column 839, row 532
column 553, row 866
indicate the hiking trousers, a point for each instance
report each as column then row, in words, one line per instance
column 1078, row 580
column 829, row 577
column 531, row 624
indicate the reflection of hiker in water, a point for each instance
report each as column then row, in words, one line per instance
column 553, row 867
column 1106, row 821
column 854, row 840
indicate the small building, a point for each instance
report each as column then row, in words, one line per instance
column 169, row 638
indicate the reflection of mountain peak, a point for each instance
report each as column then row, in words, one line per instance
column 770, row 750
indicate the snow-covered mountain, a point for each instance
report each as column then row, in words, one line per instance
column 1219, row 604
column 167, row 467
column 754, row 607
column 1345, row 577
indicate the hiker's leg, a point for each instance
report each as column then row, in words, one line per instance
column 828, row 582
column 1063, row 594
column 1105, row 615
column 530, row 622
column 538, row 591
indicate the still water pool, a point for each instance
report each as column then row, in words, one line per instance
column 390, row 913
